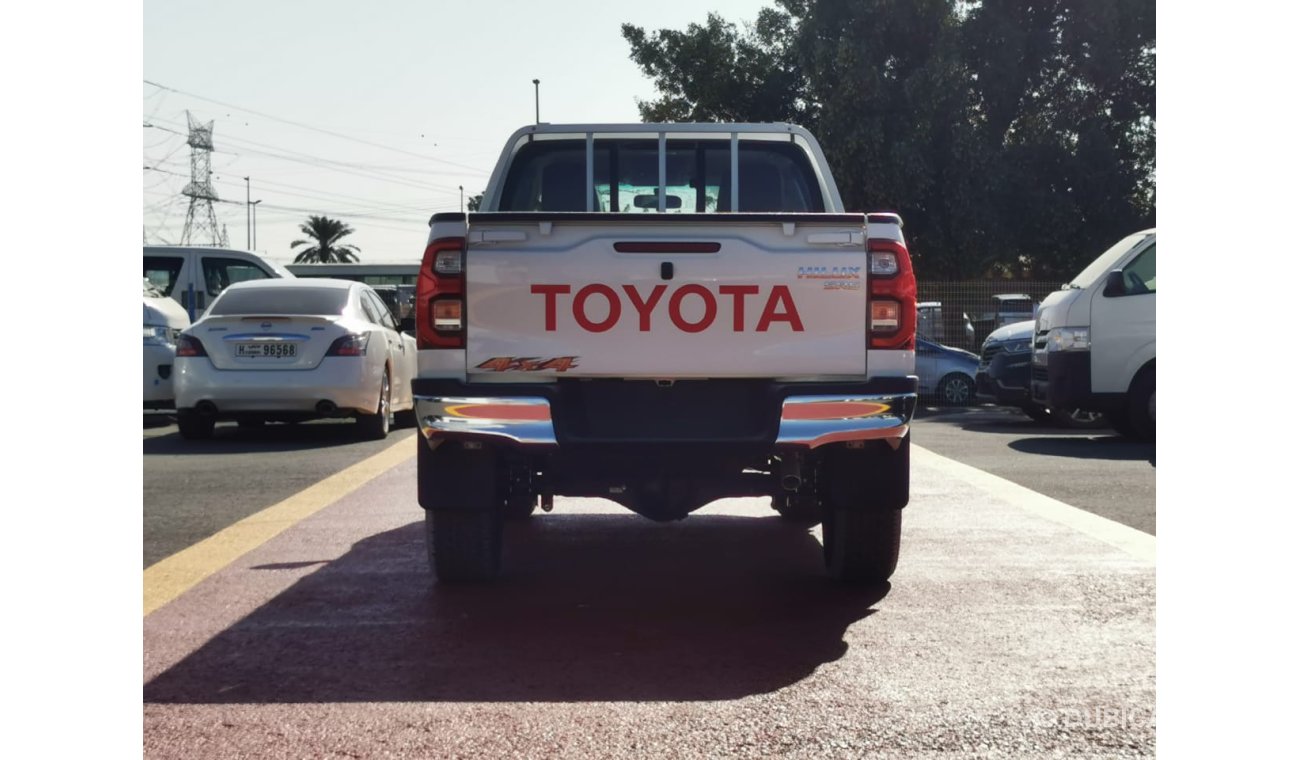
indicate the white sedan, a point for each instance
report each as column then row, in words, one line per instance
column 291, row 350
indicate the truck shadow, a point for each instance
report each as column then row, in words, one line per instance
column 592, row 608
column 230, row 439
column 1090, row 444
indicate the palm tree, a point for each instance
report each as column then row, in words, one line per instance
column 326, row 233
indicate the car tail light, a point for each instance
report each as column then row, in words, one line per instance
column 188, row 345
column 893, row 295
column 440, row 295
column 349, row 345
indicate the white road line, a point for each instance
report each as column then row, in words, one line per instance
column 1131, row 540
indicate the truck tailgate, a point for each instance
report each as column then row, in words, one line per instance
column 708, row 295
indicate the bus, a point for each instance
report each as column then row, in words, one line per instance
column 394, row 282
column 393, row 273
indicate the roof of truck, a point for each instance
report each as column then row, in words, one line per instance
column 683, row 126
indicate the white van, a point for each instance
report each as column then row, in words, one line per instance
column 193, row 276
column 1095, row 339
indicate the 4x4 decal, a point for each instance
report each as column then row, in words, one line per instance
column 528, row 364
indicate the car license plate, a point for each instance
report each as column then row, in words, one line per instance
column 276, row 350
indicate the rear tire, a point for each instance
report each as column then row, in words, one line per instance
column 1122, row 424
column 1142, row 405
column 861, row 545
column 463, row 547
column 864, row 493
column 463, row 497
column 375, row 427
column 194, row 426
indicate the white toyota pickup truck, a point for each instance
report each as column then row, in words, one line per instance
column 664, row 315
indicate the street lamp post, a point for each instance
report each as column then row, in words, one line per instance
column 248, row 213
column 537, row 106
column 254, row 206
column 462, row 198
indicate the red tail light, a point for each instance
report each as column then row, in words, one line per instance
column 188, row 345
column 349, row 345
column 892, row 316
column 440, row 295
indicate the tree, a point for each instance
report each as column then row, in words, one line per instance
column 474, row 202
column 716, row 73
column 326, row 233
column 1015, row 137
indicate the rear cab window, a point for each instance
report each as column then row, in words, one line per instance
column 551, row 175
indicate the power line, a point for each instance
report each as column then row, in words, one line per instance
column 323, row 163
column 318, row 129
column 328, row 196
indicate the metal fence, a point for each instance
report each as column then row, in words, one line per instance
column 962, row 314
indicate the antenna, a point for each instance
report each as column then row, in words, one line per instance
column 201, row 219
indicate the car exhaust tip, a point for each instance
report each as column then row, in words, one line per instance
column 791, row 482
column 206, row 408
column 327, row 407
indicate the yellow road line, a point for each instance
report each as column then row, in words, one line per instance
column 173, row 576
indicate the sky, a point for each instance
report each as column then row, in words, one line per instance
column 373, row 113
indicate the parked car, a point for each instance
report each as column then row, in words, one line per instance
column 400, row 300
column 290, row 350
column 1003, row 377
column 930, row 323
column 1006, row 309
column 163, row 321
column 945, row 372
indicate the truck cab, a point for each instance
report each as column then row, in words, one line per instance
column 1095, row 339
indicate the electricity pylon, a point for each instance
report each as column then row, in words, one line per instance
column 201, row 219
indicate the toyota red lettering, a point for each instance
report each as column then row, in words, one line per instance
column 691, row 308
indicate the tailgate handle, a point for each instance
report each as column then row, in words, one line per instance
column 835, row 238
column 662, row 246
column 497, row 236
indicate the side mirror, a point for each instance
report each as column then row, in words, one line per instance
column 407, row 325
column 1114, row 284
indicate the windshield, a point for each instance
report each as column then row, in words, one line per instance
column 261, row 301
column 1106, row 261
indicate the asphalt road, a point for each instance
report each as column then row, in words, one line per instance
column 192, row 489
column 1096, row 470
column 1016, row 626
column 1004, row 633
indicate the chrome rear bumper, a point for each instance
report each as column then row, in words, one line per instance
column 806, row 421
column 812, row 421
